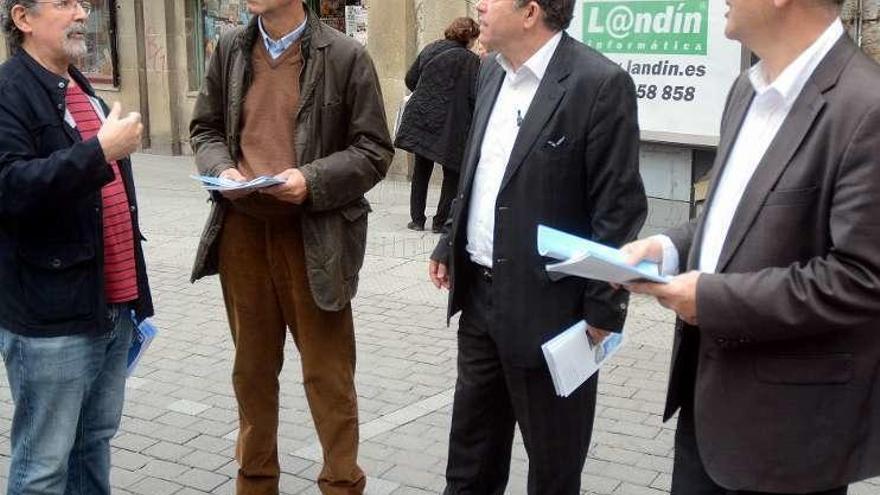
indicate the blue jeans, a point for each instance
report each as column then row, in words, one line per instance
column 68, row 393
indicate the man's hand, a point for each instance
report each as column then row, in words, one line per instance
column 232, row 173
column 597, row 335
column 294, row 190
column 679, row 295
column 120, row 137
column 643, row 250
column 439, row 275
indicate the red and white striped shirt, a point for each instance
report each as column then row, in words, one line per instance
column 120, row 272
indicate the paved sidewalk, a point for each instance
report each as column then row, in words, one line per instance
column 179, row 426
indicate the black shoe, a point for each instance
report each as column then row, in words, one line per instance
column 437, row 229
column 418, row 227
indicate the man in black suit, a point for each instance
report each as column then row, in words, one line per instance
column 555, row 141
column 777, row 348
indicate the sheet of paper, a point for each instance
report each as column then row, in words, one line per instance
column 587, row 259
column 220, row 184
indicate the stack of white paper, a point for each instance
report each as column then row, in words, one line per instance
column 572, row 358
column 220, row 184
column 588, row 259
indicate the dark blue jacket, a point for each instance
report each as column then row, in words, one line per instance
column 51, row 231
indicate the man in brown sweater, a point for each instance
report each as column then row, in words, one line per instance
column 289, row 97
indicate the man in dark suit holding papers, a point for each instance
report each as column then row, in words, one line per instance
column 554, row 141
column 777, row 347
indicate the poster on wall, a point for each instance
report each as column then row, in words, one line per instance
column 332, row 13
column 676, row 52
column 356, row 22
column 220, row 16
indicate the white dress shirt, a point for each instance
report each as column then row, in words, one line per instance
column 765, row 116
column 514, row 98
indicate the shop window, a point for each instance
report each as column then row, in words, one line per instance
column 206, row 20
column 100, row 64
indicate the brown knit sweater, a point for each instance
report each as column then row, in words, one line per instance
column 269, row 112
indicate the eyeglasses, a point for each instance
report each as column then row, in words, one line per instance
column 69, row 4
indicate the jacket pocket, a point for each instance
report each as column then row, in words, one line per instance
column 333, row 118
column 355, row 237
column 58, row 282
column 792, row 197
column 49, row 135
column 832, row 369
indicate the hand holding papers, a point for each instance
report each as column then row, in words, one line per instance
column 223, row 185
column 587, row 259
column 573, row 358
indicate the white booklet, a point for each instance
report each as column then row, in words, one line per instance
column 584, row 258
column 573, row 358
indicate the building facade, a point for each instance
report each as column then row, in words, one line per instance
column 151, row 55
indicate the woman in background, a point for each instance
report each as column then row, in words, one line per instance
column 437, row 118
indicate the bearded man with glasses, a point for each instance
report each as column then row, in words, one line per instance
column 72, row 276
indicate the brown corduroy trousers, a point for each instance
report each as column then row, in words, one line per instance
column 266, row 290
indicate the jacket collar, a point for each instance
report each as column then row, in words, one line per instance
column 51, row 82
column 314, row 37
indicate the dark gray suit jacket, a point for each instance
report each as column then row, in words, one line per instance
column 588, row 184
column 783, row 369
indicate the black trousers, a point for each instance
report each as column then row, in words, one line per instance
column 492, row 396
column 689, row 476
column 422, row 169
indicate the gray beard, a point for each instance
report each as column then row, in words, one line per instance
column 75, row 48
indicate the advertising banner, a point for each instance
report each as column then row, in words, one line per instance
column 677, row 54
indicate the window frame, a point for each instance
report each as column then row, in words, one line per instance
column 114, row 79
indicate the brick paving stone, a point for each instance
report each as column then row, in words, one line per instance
column 204, row 460
column 201, row 479
column 133, row 442
column 122, row 478
column 168, row 451
column 154, row 486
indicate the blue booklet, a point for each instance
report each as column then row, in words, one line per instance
column 140, row 341
column 584, row 258
column 220, row 184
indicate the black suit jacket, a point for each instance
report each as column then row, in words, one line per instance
column 589, row 185
column 783, row 370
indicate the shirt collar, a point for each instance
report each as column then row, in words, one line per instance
column 792, row 80
column 536, row 64
column 284, row 43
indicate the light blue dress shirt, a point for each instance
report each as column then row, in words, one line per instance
column 277, row 47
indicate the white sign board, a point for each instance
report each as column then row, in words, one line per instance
column 678, row 57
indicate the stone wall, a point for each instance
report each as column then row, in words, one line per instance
column 870, row 24
column 398, row 30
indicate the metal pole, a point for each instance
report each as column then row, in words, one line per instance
column 860, row 16
column 143, row 91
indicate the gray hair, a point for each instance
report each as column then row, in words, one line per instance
column 7, row 25
column 557, row 13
